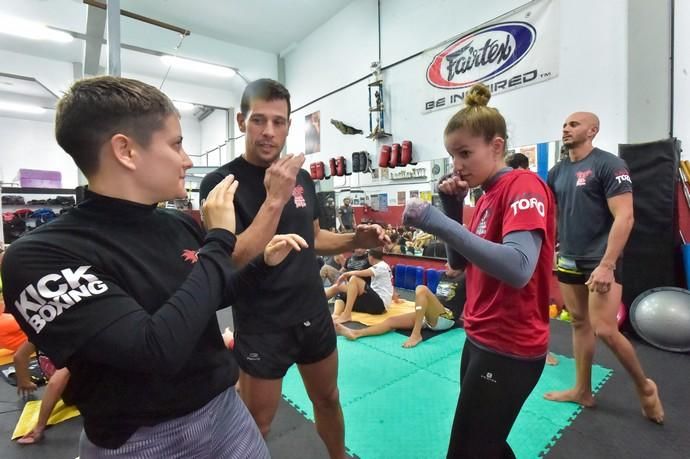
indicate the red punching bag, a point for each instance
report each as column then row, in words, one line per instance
column 395, row 155
column 312, row 171
column 384, row 156
column 340, row 166
column 319, row 170
column 406, row 157
column 332, row 167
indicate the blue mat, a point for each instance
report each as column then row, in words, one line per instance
column 400, row 402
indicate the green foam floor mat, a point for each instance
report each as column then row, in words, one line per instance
column 422, row 355
column 400, row 402
column 361, row 370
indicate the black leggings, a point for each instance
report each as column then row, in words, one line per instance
column 493, row 389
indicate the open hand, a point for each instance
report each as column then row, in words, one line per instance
column 25, row 389
column 218, row 209
column 280, row 246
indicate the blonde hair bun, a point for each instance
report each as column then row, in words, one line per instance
column 478, row 96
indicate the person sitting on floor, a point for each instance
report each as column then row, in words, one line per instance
column 332, row 268
column 355, row 295
column 436, row 312
column 358, row 261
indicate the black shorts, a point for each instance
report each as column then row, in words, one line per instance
column 270, row 355
column 579, row 274
column 369, row 302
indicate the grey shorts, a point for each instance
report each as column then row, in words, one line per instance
column 223, row 428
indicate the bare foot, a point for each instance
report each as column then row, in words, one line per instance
column 33, row 437
column 344, row 331
column 412, row 341
column 572, row 395
column 341, row 319
column 551, row 359
column 334, row 316
column 651, row 403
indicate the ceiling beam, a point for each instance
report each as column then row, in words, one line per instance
column 138, row 17
column 93, row 42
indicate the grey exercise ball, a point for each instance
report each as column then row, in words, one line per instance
column 661, row 316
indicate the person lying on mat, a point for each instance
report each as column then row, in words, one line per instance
column 508, row 251
column 354, row 294
column 436, row 312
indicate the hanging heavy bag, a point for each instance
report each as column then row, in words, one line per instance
column 355, row 162
column 406, row 157
column 332, row 167
column 340, row 166
column 365, row 160
column 395, row 155
column 384, row 156
column 312, row 171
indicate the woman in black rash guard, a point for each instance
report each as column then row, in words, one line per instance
column 125, row 294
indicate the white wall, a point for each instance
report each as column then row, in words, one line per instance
column 28, row 144
column 37, row 136
column 335, row 54
column 410, row 26
column 214, row 132
column 649, row 74
column 592, row 76
column 191, row 134
column 681, row 100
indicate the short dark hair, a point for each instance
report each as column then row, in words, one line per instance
column 95, row 109
column 518, row 161
column 264, row 89
column 376, row 253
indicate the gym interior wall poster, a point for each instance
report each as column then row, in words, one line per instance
column 312, row 133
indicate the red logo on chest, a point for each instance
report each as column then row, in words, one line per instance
column 298, row 196
column 191, row 256
column 582, row 177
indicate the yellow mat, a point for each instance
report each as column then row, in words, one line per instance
column 29, row 416
column 395, row 309
column 6, row 356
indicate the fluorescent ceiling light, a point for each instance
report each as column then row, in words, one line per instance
column 184, row 106
column 21, row 108
column 199, row 67
column 28, row 29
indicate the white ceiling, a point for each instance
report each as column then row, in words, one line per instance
column 220, row 30
column 268, row 25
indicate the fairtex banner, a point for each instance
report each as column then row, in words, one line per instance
column 512, row 51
